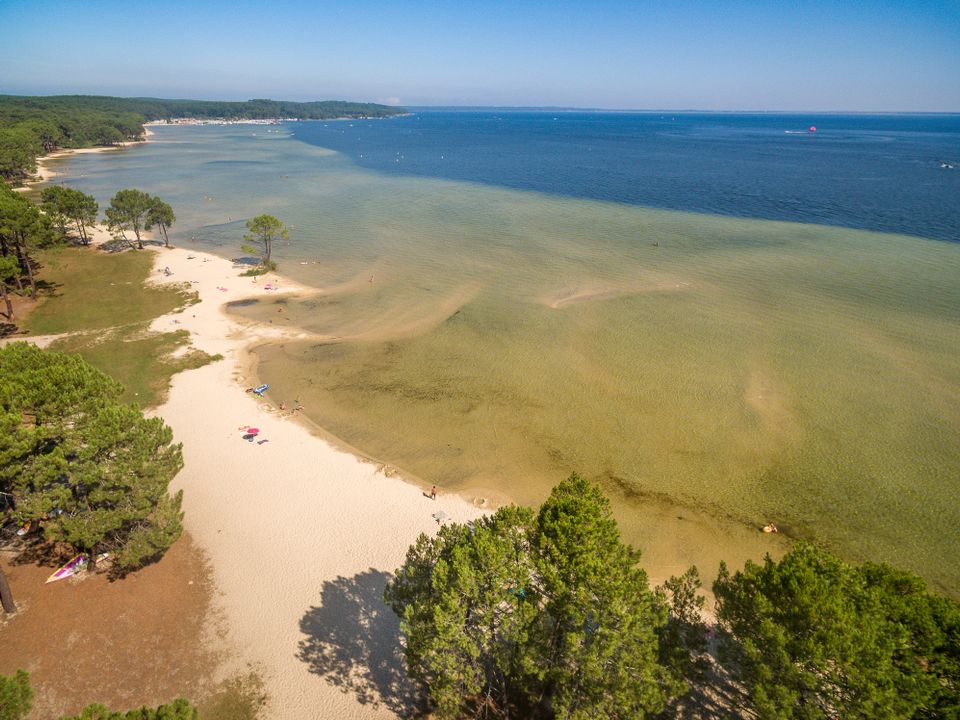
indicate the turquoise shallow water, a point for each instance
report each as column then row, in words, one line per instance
column 492, row 340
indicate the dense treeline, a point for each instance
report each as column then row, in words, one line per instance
column 23, row 228
column 34, row 126
column 160, row 109
column 260, row 109
column 548, row 615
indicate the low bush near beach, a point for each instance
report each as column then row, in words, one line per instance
column 16, row 699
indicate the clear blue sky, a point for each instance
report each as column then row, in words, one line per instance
column 901, row 55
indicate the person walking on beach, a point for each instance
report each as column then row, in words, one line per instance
column 433, row 493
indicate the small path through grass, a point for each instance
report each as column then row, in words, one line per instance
column 100, row 305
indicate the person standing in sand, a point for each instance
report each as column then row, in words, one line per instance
column 433, row 493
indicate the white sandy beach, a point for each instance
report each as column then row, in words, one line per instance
column 300, row 535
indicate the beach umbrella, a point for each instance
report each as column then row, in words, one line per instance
column 252, row 431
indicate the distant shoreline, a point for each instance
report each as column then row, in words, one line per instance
column 45, row 174
column 194, row 121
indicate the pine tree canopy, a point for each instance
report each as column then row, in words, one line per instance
column 93, row 470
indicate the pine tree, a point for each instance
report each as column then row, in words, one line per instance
column 16, row 696
column 547, row 616
column 161, row 215
column 96, row 471
column 597, row 637
column 128, row 212
column 68, row 205
column 812, row 637
column 264, row 230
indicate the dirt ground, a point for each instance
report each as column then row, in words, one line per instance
column 141, row 640
column 21, row 308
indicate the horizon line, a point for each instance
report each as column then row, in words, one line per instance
column 529, row 108
column 574, row 108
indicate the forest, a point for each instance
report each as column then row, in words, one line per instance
column 34, row 126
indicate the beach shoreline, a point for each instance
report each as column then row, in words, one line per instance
column 303, row 530
column 301, row 535
column 46, row 174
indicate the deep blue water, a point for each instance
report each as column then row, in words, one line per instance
column 878, row 172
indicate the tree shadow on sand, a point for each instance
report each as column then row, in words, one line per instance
column 353, row 642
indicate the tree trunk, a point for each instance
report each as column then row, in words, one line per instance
column 82, row 231
column 139, row 241
column 6, row 299
column 18, row 249
column 268, row 243
column 6, row 597
column 33, row 283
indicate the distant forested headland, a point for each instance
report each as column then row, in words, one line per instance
column 34, row 126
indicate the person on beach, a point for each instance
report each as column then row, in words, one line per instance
column 433, row 493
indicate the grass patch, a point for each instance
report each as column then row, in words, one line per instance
column 239, row 698
column 141, row 360
column 85, row 289
column 261, row 269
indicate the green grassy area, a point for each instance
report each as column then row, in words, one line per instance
column 142, row 361
column 102, row 301
column 86, row 289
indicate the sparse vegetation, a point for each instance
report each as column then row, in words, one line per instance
column 261, row 269
column 16, row 700
column 142, row 361
column 16, row 696
column 87, row 290
column 242, row 697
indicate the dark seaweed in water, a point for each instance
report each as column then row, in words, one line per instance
column 243, row 303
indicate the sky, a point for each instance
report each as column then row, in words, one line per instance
column 842, row 55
